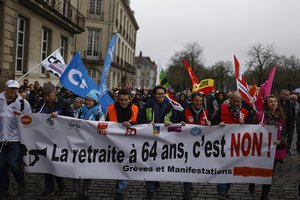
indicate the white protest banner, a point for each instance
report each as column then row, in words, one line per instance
column 70, row 147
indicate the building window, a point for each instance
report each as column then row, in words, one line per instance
column 45, row 46
column 19, row 65
column 63, row 46
column 95, row 7
column 92, row 72
column 93, row 43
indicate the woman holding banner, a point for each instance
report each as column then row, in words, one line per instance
column 90, row 111
column 273, row 115
column 194, row 113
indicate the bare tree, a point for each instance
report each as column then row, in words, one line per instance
column 261, row 59
column 221, row 72
column 192, row 52
column 288, row 73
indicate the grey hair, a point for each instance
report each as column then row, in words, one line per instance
column 48, row 88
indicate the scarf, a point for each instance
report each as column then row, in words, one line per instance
column 89, row 113
column 197, row 112
column 271, row 119
column 235, row 112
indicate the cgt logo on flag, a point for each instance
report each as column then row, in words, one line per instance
column 102, row 128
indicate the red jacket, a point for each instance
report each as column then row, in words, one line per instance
column 227, row 117
column 189, row 117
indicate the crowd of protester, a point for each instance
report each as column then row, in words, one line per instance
column 133, row 107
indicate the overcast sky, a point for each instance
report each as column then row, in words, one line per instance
column 222, row 27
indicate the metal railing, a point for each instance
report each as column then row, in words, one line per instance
column 61, row 8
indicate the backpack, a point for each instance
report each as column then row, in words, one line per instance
column 22, row 104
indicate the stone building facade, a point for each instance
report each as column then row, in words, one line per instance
column 30, row 30
column 146, row 72
column 103, row 19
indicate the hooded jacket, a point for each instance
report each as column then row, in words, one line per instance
column 8, row 120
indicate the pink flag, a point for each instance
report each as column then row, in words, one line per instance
column 265, row 90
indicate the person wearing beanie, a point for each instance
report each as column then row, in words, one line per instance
column 91, row 110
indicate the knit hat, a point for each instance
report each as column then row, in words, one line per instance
column 93, row 94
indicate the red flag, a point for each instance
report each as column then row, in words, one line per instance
column 265, row 90
column 241, row 84
column 191, row 73
column 253, row 90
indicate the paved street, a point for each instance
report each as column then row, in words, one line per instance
column 285, row 186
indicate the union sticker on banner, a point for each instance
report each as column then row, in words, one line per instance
column 50, row 122
column 102, row 128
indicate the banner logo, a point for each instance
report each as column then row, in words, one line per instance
column 34, row 155
column 130, row 131
column 156, row 130
column 74, row 125
column 174, row 129
column 50, row 122
column 26, row 120
column 102, row 128
column 196, row 131
column 80, row 80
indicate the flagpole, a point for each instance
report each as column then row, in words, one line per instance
column 57, row 82
column 28, row 72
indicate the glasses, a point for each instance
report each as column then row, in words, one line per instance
column 123, row 99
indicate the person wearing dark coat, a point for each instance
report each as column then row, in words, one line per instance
column 290, row 118
column 156, row 110
column 53, row 105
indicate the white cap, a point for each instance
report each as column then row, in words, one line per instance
column 12, row 84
